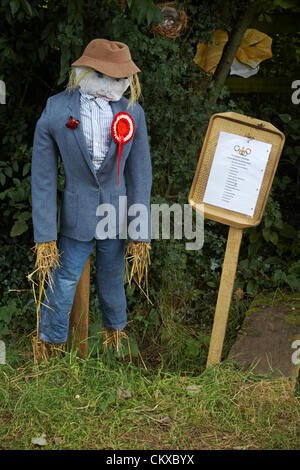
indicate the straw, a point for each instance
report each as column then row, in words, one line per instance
column 47, row 258
column 138, row 255
column 113, row 340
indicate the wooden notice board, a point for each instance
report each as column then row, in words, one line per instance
column 240, row 155
column 252, row 129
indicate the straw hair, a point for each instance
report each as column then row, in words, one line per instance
column 47, row 258
column 74, row 79
column 134, row 83
column 135, row 89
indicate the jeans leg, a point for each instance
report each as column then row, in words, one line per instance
column 110, row 282
column 54, row 321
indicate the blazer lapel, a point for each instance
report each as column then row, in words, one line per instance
column 74, row 107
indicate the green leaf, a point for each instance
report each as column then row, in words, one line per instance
column 64, row 63
column 7, row 312
column 293, row 281
column 27, row 7
column 274, row 238
column 2, row 179
column 133, row 346
column 4, row 330
column 140, row 15
column 288, row 231
column 149, row 16
column 252, row 287
column 285, row 118
column 192, row 347
column 24, row 215
column 211, row 284
column 8, row 171
column 268, row 222
column 270, row 236
column 254, row 236
column 15, row 166
column 14, row 6
column 19, row 227
column 279, row 276
column 285, row 4
column 26, row 168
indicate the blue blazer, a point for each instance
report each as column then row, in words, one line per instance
column 84, row 189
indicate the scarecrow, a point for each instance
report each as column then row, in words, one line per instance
column 102, row 139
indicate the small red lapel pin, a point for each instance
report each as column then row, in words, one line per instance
column 72, row 123
column 122, row 130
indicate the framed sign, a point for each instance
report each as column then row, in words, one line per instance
column 236, row 168
column 233, row 179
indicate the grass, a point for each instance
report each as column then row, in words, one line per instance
column 95, row 405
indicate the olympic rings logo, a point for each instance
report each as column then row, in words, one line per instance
column 242, row 151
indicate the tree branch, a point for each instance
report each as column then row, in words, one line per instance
column 231, row 48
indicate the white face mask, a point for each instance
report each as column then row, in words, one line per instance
column 98, row 84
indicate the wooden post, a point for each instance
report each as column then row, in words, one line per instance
column 224, row 295
column 79, row 316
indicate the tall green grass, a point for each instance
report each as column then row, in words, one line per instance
column 94, row 404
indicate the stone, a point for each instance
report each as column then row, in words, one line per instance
column 270, row 336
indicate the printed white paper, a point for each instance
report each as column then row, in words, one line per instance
column 236, row 173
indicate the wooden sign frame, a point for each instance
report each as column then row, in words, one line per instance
column 243, row 126
column 253, row 129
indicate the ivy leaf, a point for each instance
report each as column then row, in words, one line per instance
column 19, row 227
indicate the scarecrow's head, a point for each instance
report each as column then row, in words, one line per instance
column 106, row 69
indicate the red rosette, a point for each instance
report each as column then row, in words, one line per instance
column 122, row 130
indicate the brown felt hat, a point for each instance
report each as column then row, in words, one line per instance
column 109, row 57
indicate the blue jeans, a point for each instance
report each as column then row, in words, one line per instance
column 110, row 270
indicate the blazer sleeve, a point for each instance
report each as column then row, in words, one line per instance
column 44, row 180
column 138, row 176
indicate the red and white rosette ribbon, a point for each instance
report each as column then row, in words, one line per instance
column 122, row 130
